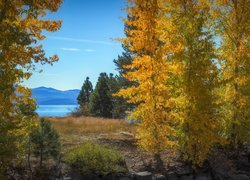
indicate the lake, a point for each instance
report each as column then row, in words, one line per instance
column 55, row 110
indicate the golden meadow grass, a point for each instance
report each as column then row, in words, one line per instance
column 88, row 125
column 76, row 130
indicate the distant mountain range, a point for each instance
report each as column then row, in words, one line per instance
column 50, row 96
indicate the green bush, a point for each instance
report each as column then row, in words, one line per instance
column 95, row 159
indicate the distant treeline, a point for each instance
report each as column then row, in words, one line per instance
column 101, row 100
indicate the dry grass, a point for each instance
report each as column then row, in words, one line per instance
column 75, row 130
column 88, row 125
column 114, row 133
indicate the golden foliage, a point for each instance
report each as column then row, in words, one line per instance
column 21, row 26
column 176, row 69
column 149, row 39
column 196, row 99
column 233, row 19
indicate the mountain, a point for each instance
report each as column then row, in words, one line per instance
column 50, row 96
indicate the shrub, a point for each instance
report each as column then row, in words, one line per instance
column 95, row 159
column 77, row 112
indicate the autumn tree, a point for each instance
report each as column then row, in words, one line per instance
column 196, row 102
column 149, row 69
column 21, row 25
column 233, row 20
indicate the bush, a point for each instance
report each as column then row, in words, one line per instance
column 77, row 112
column 95, row 159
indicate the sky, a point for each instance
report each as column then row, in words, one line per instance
column 85, row 44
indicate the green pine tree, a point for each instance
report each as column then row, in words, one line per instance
column 45, row 141
column 100, row 100
column 86, row 91
column 84, row 97
column 120, row 105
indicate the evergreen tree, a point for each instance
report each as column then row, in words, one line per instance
column 84, row 97
column 100, row 100
column 123, row 60
column 120, row 105
column 45, row 141
column 126, row 59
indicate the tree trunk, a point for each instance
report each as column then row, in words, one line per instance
column 159, row 166
column 28, row 159
column 41, row 157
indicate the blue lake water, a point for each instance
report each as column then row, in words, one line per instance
column 55, row 110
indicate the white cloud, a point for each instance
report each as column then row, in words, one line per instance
column 70, row 49
column 89, row 50
column 83, row 40
column 76, row 49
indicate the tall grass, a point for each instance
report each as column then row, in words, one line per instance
column 74, row 131
column 88, row 125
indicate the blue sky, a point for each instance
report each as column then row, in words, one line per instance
column 84, row 43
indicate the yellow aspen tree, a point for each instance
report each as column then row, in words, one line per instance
column 150, row 43
column 233, row 20
column 196, row 103
column 21, row 26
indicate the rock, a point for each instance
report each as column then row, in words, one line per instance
column 102, row 136
column 245, row 172
column 144, row 175
column 96, row 178
column 203, row 177
column 127, row 134
column 159, row 177
column 172, row 176
column 243, row 165
column 240, row 177
column 67, row 178
column 109, row 177
column 132, row 176
column 221, row 166
column 184, row 171
column 187, row 177
column 124, row 178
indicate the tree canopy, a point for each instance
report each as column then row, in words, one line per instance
column 22, row 23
